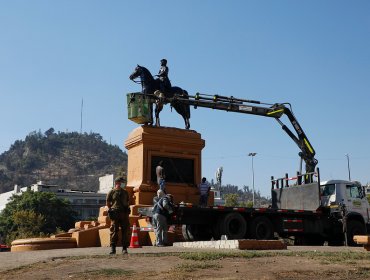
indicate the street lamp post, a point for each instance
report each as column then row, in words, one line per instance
column 349, row 170
column 252, row 155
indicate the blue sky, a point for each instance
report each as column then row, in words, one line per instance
column 313, row 54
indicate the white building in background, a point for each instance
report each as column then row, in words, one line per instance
column 106, row 183
column 85, row 203
column 4, row 197
column 217, row 197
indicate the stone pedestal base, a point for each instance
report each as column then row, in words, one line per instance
column 179, row 149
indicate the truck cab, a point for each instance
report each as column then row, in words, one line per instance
column 348, row 197
column 351, row 194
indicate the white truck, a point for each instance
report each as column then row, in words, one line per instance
column 348, row 198
column 311, row 213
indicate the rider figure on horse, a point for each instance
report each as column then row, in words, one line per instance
column 164, row 82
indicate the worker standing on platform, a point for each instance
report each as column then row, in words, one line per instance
column 118, row 211
column 204, row 189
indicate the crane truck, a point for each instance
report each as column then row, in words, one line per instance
column 303, row 207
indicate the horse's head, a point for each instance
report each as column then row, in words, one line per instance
column 137, row 72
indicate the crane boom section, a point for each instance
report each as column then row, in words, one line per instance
column 244, row 106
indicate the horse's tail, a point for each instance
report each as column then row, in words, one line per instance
column 187, row 107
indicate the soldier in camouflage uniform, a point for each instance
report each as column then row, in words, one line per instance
column 118, row 204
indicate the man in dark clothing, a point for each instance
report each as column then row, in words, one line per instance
column 118, row 207
column 162, row 210
column 161, row 175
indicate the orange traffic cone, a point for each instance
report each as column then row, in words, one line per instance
column 134, row 243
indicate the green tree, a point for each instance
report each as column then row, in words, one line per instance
column 29, row 224
column 231, row 199
column 248, row 204
column 35, row 213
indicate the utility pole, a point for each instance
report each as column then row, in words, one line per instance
column 82, row 105
column 252, row 155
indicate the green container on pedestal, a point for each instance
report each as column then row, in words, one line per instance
column 139, row 108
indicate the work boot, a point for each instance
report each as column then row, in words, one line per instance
column 112, row 250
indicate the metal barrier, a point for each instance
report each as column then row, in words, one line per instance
column 300, row 179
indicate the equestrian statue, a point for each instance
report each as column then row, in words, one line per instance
column 161, row 90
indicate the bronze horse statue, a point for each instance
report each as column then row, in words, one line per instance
column 150, row 86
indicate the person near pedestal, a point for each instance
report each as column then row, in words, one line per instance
column 161, row 176
column 204, row 189
column 117, row 202
column 162, row 211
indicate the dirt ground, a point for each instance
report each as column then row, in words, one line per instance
column 201, row 265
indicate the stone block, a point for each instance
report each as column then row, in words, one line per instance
column 32, row 244
column 133, row 220
column 144, row 198
column 146, row 188
column 81, row 224
column 251, row 244
column 143, row 223
column 88, row 237
column 362, row 239
column 104, row 238
column 103, row 211
column 235, row 244
column 130, row 191
column 87, row 226
column 151, row 237
column 104, row 220
column 65, row 234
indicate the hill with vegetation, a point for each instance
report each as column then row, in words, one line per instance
column 70, row 160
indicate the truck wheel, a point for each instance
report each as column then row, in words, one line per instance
column 196, row 232
column 233, row 225
column 261, row 228
column 354, row 228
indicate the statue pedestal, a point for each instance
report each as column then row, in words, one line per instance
column 180, row 151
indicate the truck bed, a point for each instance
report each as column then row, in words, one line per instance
column 301, row 197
